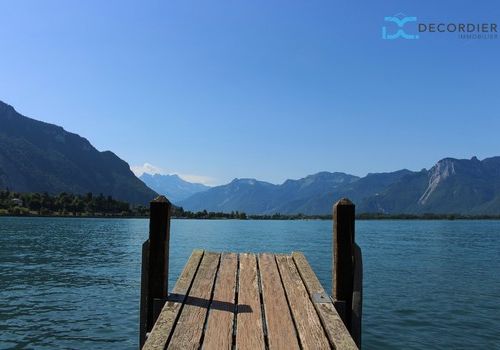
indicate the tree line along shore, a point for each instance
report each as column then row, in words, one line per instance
column 91, row 205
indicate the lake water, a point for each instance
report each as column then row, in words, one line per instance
column 74, row 283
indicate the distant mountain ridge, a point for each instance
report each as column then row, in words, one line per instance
column 304, row 195
column 172, row 186
column 41, row 157
column 463, row 186
column 459, row 186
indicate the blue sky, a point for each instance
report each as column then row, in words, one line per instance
column 215, row 90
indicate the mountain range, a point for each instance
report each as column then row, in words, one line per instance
column 462, row 186
column 41, row 157
column 175, row 188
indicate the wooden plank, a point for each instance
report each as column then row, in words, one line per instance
column 281, row 331
column 189, row 329
column 219, row 333
column 311, row 333
column 335, row 329
column 168, row 316
column 249, row 330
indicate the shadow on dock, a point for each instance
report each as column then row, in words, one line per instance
column 212, row 304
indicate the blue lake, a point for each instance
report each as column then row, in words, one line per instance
column 75, row 283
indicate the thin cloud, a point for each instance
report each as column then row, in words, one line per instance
column 147, row 168
column 206, row 180
column 151, row 169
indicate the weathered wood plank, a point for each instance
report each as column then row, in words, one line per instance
column 219, row 333
column 311, row 333
column 188, row 331
column 249, row 330
column 166, row 321
column 335, row 329
column 280, row 328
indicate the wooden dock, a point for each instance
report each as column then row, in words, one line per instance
column 246, row 300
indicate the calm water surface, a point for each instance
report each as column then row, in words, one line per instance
column 74, row 283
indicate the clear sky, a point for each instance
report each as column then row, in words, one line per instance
column 215, row 90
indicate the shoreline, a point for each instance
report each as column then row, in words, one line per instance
column 360, row 217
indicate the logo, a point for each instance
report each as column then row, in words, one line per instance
column 400, row 20
column 407, row 27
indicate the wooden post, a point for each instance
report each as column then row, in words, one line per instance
column 155, row 274
column 143, row 315
column 343, row 240
column 347, row 284
column 357, row 296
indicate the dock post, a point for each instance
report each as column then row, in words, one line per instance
column 357, row 296
column 154, row 275
column 347, row 268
